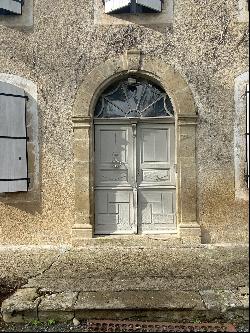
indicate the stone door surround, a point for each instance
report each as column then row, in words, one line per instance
column 134, row 62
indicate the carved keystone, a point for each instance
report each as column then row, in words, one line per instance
column 133, row 60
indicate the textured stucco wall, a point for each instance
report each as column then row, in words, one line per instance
column 207, row 45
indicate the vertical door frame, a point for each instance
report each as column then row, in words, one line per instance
column 133, row 62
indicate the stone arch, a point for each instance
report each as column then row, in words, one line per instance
column 186, row 117
column 156, row 70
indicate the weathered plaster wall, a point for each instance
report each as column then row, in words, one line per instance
column 207, row 45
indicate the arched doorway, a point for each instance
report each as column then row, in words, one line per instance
column 134, row 64
column 134, row 154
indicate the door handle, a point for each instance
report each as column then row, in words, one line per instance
column 116, row 163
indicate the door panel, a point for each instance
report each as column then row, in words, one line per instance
column 156, row 178
column 114, row 174
column 113, row 155
column 114, row 213
column 156, row 211
column 134, row 178
column 156, row 155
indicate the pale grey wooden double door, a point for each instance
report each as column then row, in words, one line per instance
column 135, row 178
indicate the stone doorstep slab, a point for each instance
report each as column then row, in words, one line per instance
column 59, row 307
column 21, row 306
column 139, row 299
column 28, row 304
column 223, row 300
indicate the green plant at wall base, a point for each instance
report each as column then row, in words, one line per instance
column 35, row 322
column 51, row 322
column 196, row 321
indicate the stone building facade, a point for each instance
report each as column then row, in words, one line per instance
column 64, row 56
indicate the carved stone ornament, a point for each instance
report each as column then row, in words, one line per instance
column 133, row 60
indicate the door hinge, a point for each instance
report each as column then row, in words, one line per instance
column 134, row 130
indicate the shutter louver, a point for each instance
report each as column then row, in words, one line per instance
column 132, row 6
column 114, row 5
column 12, row 6
column 155, row 5
column 13, row 139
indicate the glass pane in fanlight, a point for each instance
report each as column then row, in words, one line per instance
column 169, row 106
column 156, row 109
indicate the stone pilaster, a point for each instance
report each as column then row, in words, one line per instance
column 189, row 229
column 82, row 227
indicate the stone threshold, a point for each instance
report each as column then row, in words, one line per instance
column 28, row 304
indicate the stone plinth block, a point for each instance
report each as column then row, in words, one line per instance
column 57, row 306
column 21, row 307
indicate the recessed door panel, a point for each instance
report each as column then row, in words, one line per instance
column 113, row 155
column 155, row 145
column 114, row 212
column 156, row 155
column 156, row 209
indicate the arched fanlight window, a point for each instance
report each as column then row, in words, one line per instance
column 131, row 98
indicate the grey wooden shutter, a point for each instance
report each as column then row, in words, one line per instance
column 114, row 5
column 155, row 5
column 12, row 6
column 13, row 139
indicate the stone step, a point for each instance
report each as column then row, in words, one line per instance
column 29, row 304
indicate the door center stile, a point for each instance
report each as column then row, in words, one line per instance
column 135, row 172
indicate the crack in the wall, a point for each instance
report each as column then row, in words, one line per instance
column 76, row 299
column 62, row 252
